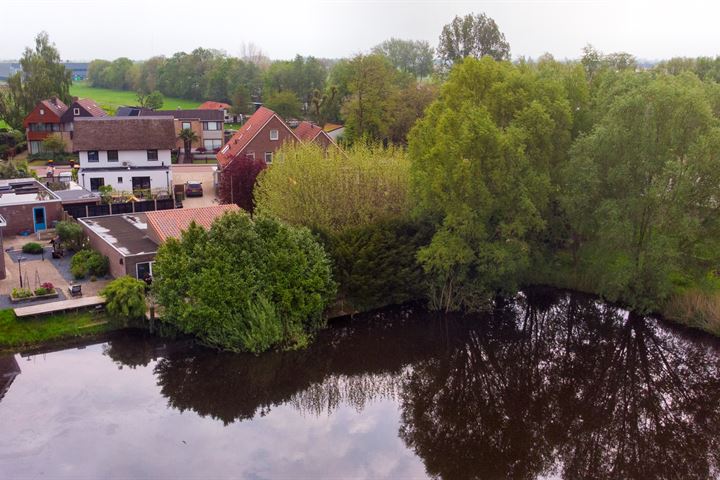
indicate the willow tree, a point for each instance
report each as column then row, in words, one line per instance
column 481, row 167
column 641, row 191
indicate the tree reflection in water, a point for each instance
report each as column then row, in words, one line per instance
column 552, row 384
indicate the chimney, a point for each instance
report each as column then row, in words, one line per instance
column 53, row 100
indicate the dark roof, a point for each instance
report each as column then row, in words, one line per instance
column 88, row 105
column 124, row 133
column 130, row 111
column 198, row 114
column 126, row 233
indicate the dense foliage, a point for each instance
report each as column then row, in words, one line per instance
column 125, row 298
column 32, row 248
column 471, row 36
column 237, row 183
column 482, row 159
column 89, row 262
column 71, row 235
column 244, row 285
column 358, row 204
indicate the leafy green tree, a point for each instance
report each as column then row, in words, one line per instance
column 125, row 298
column 409, row 56
column 302, row 76
column 481, row 162
column 54, row 144
column 43, row 76
column 285, row 103
column 471, row 36
column 640, row 192
column 14, row 169
column 333, row 190
column 373, row 92
column 153, row 101
column 71, row 235
column 244, row 285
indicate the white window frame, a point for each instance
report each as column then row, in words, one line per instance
column 150, row 262
column 97, row 156
column 182, row 125
column 206, row 126
column 251, row 155
column 76, row 111
column 270, row 154
column 42, row 111
column 276, row 134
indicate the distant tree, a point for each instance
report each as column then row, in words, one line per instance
column 153, row 101
column 14, row 169
column 43, row 75
column 188, row 137
column 594, row 61
column 285, row 103
column 125, row 298
column 54, row 144
column 241, row 100
column 410, row 56
column 238, row 181
column 471, row 36
column 373, row 93
column 410, row 106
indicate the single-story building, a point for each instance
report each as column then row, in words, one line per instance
column 28, row 206
column 130, row 241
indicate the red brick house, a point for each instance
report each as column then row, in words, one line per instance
column 44, row 120
column 260, row 137
column 53, row 116
column 308, row 132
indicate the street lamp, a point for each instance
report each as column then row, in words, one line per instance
column 20, row 259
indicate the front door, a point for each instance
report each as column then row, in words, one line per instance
column 141, row 186
column 39, row 218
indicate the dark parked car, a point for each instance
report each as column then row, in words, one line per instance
column 193, row 189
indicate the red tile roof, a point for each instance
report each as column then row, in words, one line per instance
column 171, row 223
column 210, row 105
column 92, row 107
column 56, row 106
column 244, row 136
column 307, row 131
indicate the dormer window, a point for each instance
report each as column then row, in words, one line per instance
column 76, row 111
column 274, row 134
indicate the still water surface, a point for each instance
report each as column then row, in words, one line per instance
column 554, row 385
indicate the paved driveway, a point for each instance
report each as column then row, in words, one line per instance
column 200, row 173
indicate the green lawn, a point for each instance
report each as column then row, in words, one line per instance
column 16, row 333
column 112, row 99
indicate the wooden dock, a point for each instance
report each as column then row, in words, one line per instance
column 61, row 306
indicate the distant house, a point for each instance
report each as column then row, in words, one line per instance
column 226, row 108
column 52, row 116
column 334, row 130
column 308, row 132
column 260, row 137
column 209, row 125
column 44, row 120
column 131, row 154
column 130, row 241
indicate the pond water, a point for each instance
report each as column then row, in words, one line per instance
column 554, row 385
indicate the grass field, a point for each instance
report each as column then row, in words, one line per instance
column 112, row 99
column 16, row 333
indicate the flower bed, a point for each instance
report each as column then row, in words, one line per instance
column 43, row 292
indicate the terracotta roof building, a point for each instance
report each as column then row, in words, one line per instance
column 210, row 105
column 130, row 241
column 164, row 224
column 308, row 132
column 260, row 137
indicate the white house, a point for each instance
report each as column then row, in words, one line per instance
column 131, row 154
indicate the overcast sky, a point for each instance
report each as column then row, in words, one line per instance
column 84, row 29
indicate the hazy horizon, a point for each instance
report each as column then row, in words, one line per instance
column 84, row 30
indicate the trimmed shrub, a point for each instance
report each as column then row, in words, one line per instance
column 21, row 293
column 32, row 248
column 89, row 262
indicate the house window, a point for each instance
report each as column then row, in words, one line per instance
column 210, row 126
column 274, row 135
column 251, row 155
column 76, row 111
column 96, row 183
column 143, row 270
column 93, row 156
column 268, row 157
column 212, row 144
column 119, row 180
column 152, row 155
column 186, row 126
column 112, row 155
column 42, row 111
